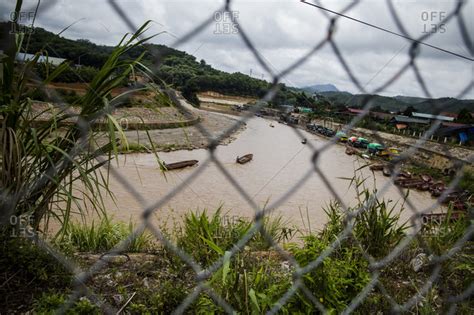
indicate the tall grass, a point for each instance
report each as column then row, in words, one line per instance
column 103, row 236
column 41, row 163
column 206, row 237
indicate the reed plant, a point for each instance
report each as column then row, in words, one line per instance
column 44, row 166
column 103, row 236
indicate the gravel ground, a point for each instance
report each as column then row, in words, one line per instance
column 131, row 114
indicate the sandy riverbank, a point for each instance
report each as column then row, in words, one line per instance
column 210, row 126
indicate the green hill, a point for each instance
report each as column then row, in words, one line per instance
column 400, row 103
column 177, row 68
column 185, row 73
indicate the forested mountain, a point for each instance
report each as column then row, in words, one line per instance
column 317, row 88
column 185, row 73
column 177, row 68
column 400, row 103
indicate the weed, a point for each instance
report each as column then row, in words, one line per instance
column 207, row 237
column 26, row 270
column 377, row 227
column 337, row 280
column 49, row 302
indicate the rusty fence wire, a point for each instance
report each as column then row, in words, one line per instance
column 413, row 44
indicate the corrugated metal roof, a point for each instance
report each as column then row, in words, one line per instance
column 430, row 116
column 21, row 57
column 410, row 120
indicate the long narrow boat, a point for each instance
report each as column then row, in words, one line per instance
column 426, row 178
column 244, row 159
column 178, row 165
column 376, row 167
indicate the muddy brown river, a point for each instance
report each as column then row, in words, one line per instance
column 280, row 162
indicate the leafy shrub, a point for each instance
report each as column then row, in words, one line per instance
column 441, row 236
column 48, row 303
column 338, row 279
column 377, row 227
column 467, row 180
column 250, row 286
column 202, row 236
column 26, row 270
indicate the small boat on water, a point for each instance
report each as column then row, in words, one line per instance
column 376, row 167
column 304, row 141
column 272, row 125
column 350, row 151
column 426, row 178
column 404, row 174
column 386, row 171
column 244, row 159
column 178, row 165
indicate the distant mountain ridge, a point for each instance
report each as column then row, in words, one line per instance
column 400, row 103
column 318, row 88
column 184, row 72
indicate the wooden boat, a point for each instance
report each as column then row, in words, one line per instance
column 376, row 167
column 244, row 159
column 350, row 151
column 424, row 187
column 438, row 186
column 405, row 174
column 178, row 165
column 426, row 178
column 386, row 171
column 412, row 184
column 436, row 192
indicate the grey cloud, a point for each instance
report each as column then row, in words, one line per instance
column 283, row 31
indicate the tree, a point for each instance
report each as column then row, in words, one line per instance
column 409, row 111
column 465, row 116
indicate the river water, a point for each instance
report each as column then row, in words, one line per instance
column 280, row 161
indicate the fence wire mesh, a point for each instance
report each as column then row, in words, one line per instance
column 203, row 274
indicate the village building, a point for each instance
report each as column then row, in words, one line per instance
column 55, row 61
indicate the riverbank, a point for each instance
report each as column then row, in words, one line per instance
column 210, row 126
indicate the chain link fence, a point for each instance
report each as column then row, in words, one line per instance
column 202, row 275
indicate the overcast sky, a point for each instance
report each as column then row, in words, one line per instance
column 283, row 31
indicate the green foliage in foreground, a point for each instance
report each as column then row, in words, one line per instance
column 48, row 303
column 206, row 237
column 102, row 236
column 467, row 180
column 254, row 279
column 42, row 165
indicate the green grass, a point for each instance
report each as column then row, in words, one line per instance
column 467, row 180
column 102, row 236
column 206, row 237
column 134, row 147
